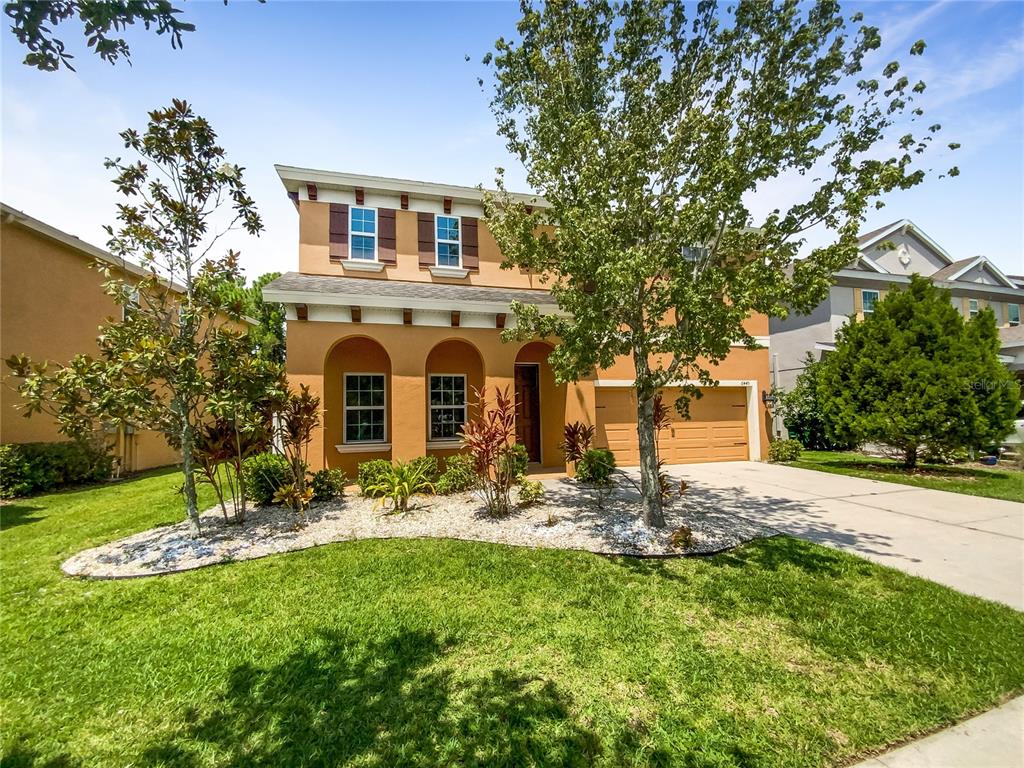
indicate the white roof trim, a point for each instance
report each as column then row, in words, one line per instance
column 908, row 224
column 984, row 262
column 875, row 266
column 392, row 302
column 294, row 177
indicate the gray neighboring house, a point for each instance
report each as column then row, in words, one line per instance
column 889, row 256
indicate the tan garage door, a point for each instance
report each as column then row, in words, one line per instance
column 716, row 431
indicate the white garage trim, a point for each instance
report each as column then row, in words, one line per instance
column 753, row 423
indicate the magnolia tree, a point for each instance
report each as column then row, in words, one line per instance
column 175, row 361
column 647, row 127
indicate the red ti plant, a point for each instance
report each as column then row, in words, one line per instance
column 298, row 416
column 662, row 420
column 577, row 440
column 490, row 439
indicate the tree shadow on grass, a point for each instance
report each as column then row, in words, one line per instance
column 881, row 467
column 13, row 515
column 386, row 704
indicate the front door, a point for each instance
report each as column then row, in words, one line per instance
column 528, row 409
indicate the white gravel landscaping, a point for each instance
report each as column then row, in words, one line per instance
column 567, row 518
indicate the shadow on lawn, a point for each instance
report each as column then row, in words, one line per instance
column 882, row 467
column 386, row 703
column 13, row 515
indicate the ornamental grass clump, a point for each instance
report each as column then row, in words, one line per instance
column 401, row 482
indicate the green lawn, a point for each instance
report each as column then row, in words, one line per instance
column 972, row 479
column 422, row 653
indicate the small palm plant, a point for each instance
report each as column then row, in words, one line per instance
column 403, row 481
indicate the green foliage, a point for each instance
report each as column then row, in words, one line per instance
column 370, row 474
column 28, row 468
column 328, row 484
column 267, row 337
column 802, row 413
column 784, row 450
column 596, row 466
column 514, row 461
column 429, row 466
column 530, row 492
column 265, row 474
column 913, row 374
column 648, row 127
column 33, row 22
column 402, row 481
column 458, row 475
column 681, row 538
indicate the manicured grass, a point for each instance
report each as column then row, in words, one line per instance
column 971, row 479
column 422, row 653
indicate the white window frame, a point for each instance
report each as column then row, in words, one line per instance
column 431, row 407
column 345, row 407
column 973, row 308
column 353, row 234
column 1009, row 320
column 438, row 241
column 863, row 304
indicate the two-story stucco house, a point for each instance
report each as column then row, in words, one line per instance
column 395, row 316
column 889, row 256
column 52, row 305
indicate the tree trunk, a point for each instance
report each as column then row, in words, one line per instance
column 187, row 468
column 910, row 457
column 650, row 488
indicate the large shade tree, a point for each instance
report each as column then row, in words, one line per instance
column 647, row 126
column 913, row 374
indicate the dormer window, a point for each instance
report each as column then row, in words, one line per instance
column 363, row 227
column 448, row 254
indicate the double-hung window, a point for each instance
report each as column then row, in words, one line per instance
column 1013, row 314
column 447, row 406
column 364, row 408
column 364, row 234
column 448, row 254
column 868, row 300
column 972, row 307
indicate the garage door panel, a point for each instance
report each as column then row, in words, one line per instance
column 716, row 431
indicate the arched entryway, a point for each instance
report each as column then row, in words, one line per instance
column 357, row 404
column 540, row 405
column 454, row 372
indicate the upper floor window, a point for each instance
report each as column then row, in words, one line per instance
column 972, row 307
column 1013, row 314
column 695, row 252
column 868, row 300
column 364, row 234
column 448, row 242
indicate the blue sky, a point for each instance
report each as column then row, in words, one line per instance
column 384, row 88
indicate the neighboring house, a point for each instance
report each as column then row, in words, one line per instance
column 52, row 305
column 395, row 317
column 889, row 256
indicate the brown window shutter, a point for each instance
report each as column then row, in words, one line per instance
column 425, row 230
column 386, row 252
column 470, row 244
column 339, row 231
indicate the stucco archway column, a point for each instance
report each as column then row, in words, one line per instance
column 408, row 399
column 501, row 369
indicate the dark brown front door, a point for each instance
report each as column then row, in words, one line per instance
column 528, row 410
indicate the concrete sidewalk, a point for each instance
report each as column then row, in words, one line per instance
column 969, row 543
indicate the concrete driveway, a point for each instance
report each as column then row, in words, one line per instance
column 970, row 543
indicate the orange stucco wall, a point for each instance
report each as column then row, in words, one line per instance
column 51, row 307
column 320, row 352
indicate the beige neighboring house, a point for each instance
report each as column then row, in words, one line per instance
column 888, row 257
column 52, row 305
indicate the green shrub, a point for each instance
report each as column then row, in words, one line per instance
column 429, row 465
column 515, row 460
column 596, row 466
column 328, row 484
column 530, row 492
column 400, row 483
column 33, row 467
column 265, row 474
column 458, row 475
column 784, row 450
column 370, row 474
